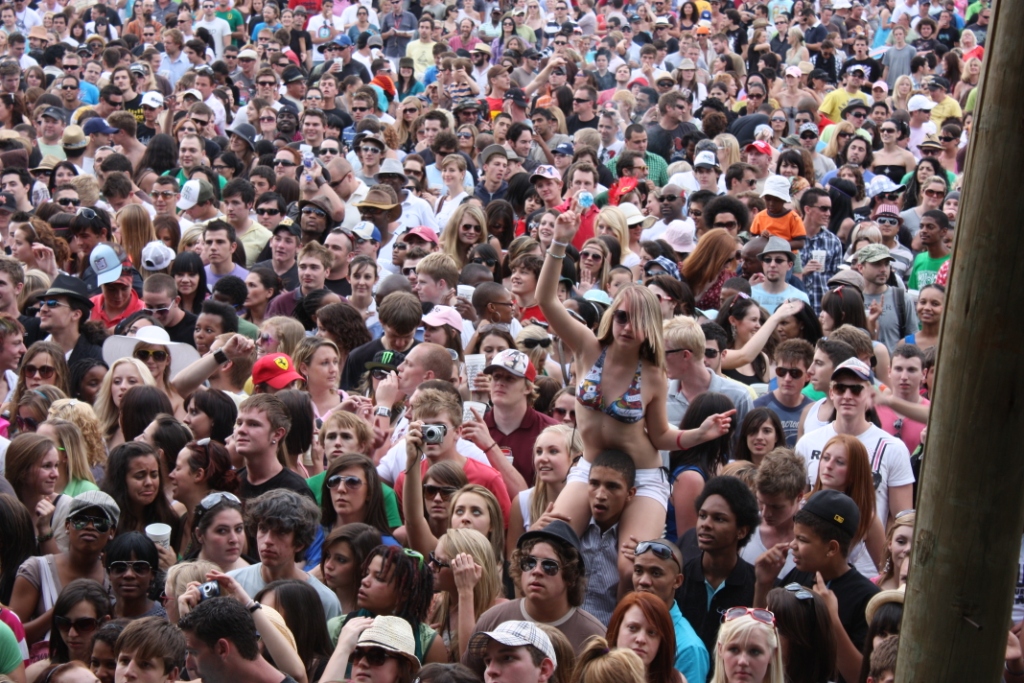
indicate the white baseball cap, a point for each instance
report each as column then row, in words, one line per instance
column 919, row 102
column 152, row 99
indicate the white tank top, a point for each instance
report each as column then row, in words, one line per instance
column 811, row 422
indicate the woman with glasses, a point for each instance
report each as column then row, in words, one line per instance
column 748, row 648
column 892, row 160
column 929, row 196
column 466, row 228
column 132, row 562
column 41, row 578
column 949, row 137
column 81, row 608
column 842, row 132
column 593, row 265
column 217, row 531
column 185, row 127
column 42, row 364
column 352, row 492
column 415, row 170
column 508, row 33
column 267, row 121
column 411, row 107
column 467, row 577
column 363, row 25
column 554, row 452
column 228, row 166
column 163, row 357
column 32, row 408
column 280, row 335
column 397, row 582
column 805, row 634
column 535, row 342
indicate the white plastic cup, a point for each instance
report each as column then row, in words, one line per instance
column 469, row 406
column 819, row 255
column 159, row 534
column 475, row 364
column 465, row 291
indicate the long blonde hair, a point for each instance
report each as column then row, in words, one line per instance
column 136, row 232
column 69, row 440
column 82, row 415
column 572, row 442
column 732, row 149
column 404, row 130
column 486, row 590
column 290, row 333
column 496, row 536
column 106, row 411
column 645, row 314
column 450, row 237
column 538, row 354
column 834, row 147
column 740, row 629
column 616, row 221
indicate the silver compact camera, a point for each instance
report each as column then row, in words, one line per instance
column 433, row 433
column 210, row 589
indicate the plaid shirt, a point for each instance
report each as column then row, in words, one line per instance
column 816, row 284
column 657, row 169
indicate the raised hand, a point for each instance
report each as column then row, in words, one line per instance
column 466, row 572
column 770, row 563
column 566, row 225
column 717, row 425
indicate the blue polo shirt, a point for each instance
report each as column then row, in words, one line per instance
column 692, row 659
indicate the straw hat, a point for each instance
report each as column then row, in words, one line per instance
column 393, row 634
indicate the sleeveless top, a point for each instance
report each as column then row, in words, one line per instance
column 812, row 422
column 628, row 408
column 671, row 533
column 893, row 172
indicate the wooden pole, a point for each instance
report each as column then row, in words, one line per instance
column 971, row 506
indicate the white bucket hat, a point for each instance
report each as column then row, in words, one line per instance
column 118, row 346
column 777, row 186
column 393, row 634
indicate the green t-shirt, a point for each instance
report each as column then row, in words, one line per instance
column 925, row 270
column 10, row 654
column 316, row 485
column 810, row 392
column 235, row 20
column 247, row 329
column 76, row 486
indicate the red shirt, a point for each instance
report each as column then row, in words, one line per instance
column 134, row 305
column 476, row 473
column 520, row 442
column 587, row 219
column 531, row 312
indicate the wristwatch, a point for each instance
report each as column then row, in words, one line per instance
column 253, row 606
column 220, row 357
column 383, row 411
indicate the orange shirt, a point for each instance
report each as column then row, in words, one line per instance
column 786, row 226
column 134, row 305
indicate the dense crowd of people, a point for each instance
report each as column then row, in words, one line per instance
column 306, row 312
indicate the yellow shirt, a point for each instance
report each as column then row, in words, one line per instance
column 422, row 55
column 836, row 101
column 945, row 109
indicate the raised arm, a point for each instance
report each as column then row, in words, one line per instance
column 420, row 537
column 576, row 335
column 192, row 377
column 736, row 358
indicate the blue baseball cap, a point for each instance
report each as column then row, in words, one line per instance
column 339, row 41
column 366, row 230
column 565, row 148
column 98, row 125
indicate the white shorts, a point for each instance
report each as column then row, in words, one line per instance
column 650, row 483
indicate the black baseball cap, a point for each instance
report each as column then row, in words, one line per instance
column 288, row 224
column 8, row 202
column 835, row 508
column 556, row 531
